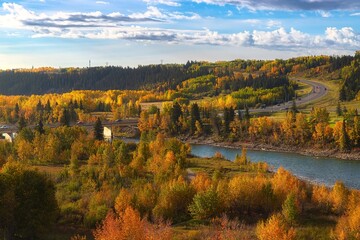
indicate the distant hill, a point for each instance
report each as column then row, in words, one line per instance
column 225, row 76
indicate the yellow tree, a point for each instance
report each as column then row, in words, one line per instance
column 275, row 228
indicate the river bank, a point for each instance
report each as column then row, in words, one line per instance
column 306, row 151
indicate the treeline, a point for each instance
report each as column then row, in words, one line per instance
column 161, row 78
column 70, row 107
column 97, row 78
column 351, row 76
column 237, row 125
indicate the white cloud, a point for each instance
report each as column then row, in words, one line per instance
column 355, row 14
column 163, row 2
column 102, row 2
column 96, row 25
column 324, row 14
column 273, row 24
column 325, row 5
column 154, row 12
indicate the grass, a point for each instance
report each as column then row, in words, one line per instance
column 209, row 165
column 52, row 171
column 303, row 89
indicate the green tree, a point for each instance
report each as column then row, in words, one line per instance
column 294, row 109
column 98, row 130
column 338, row 109
column 65, row 118
column 290, row 209
column 205, row 205
column 344, row 141
column 21, row 123
column 40, row 127
column 194, row 116
column 175, row 114
column 34, row 207
column 7, row 205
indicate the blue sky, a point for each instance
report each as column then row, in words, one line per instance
column 139, row 32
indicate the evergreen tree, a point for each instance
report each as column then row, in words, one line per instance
column 175, row 115
column 247, row 114
column 294, row 107
column 344, row 140
column 338, row 109
column 40, row 127
column 48, row 106
column 194, row 116
column 226, row 121
column 21, row 123
column 17, row 110
column 98, row 130
column 65, row 118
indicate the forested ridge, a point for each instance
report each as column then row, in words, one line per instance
column 234, row 75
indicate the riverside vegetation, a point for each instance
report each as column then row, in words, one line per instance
column 64, row 182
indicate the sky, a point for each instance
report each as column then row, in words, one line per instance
column 70, row 33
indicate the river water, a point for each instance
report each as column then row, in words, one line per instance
column 321, row 170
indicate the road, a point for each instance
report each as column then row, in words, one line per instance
column 318, row 91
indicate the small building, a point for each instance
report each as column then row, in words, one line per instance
column 108, row 134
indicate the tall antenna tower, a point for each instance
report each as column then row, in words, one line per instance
column 89, row 63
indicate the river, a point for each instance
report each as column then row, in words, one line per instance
column 320, row 170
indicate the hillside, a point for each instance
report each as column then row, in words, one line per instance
column 225, row 76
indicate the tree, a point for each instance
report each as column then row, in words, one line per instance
column 290, row 209
column 275, row 228
column 34, row 207
column 21, row 123
column 7, row 205
column 338, row 109
column 194, row 117
column 65, row 118
column 344, row 140
column 130, row 225
column 40, row 127
column 243, row 159
column 205, row 205
column 294, row 109
column 98, row 130
column 175, row 114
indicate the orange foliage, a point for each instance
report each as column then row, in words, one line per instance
column 275, row 228
column 129, row 225
column 284, row 183
column 201, row 182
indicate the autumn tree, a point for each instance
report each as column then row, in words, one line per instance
column 243, row 159
column 130, row 225
column 275, row 228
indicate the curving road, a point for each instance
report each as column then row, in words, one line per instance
column 318, row 91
